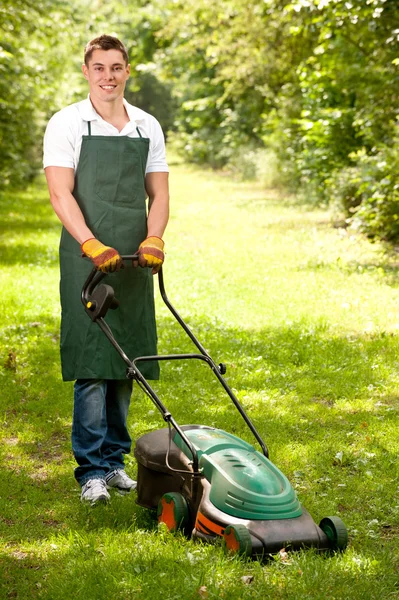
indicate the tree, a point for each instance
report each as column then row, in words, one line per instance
column 32, row 65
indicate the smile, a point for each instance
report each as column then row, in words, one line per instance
column 107, row 87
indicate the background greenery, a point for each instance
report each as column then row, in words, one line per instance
column 303, row 93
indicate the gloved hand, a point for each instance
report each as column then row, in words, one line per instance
column 105, row 258
column 151, row 253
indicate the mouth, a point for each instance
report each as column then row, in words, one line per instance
column 108, row 87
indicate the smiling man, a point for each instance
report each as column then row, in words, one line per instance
column 103, row 158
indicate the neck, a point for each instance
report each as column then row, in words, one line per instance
column 111, row 111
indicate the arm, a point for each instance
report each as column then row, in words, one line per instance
column 151, row 249
column 157, row 187
column 60, row 181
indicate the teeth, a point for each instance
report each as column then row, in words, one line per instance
column 108, row 87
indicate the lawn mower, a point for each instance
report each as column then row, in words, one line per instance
column 207, row 482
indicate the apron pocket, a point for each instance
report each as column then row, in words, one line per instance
column 114, row 173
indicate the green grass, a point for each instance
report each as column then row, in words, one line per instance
column 306, row 318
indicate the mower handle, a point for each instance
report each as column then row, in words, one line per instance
column 107, row 300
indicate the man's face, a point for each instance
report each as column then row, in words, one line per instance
column 107, row 74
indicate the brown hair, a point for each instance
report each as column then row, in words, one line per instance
column 105, row 42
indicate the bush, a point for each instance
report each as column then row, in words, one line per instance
column 368, row 193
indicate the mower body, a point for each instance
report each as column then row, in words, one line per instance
column 237, row 486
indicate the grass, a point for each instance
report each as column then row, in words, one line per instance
column 306, row 318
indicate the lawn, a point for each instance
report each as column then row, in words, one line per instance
column 306, row 318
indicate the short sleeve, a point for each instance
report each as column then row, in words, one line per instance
column 156, row 162
column 59, row 142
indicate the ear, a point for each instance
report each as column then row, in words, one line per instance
column 85, row 71
column 128, row 70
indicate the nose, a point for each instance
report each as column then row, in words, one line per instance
column 108, row 75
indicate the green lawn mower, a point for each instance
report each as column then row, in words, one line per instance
column 207, row 482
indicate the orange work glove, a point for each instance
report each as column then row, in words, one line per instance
column 104, row 258
column 151, row 253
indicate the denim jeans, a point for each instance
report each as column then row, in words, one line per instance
column 99, row 432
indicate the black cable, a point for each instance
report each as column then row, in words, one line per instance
column 170, row 439
column 167, row 456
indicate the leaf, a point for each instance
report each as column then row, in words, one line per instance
column 203, row 592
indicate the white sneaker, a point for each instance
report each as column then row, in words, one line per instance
column 95, row 491
column 120, row 481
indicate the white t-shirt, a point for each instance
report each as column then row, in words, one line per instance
column 63, row 137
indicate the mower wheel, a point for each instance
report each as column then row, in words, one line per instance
column 173, row 511
column 238, row 539
column 335, row 530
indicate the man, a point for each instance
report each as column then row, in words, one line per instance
column 102, row 158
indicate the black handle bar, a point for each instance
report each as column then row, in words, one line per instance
column 96, row 276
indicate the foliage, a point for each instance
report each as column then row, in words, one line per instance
column 34, row 67
column 369, row 192
column 226, row 67
column 150, row 93
column 312, row 84
column 346, row 92
column 316, row 81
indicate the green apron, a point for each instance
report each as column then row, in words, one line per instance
column 110, row 190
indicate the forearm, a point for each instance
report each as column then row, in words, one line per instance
column 70, row 215
column 158, row 215
column 60, row 183
column 158, row 193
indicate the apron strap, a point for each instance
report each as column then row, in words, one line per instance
column 138, row 131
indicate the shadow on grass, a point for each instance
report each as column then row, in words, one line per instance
column 297, row 366
column 40, row 220
column 23, row 217
column 27, row 210
column 28, row 253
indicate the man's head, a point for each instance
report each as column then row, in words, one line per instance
column 106, row 69
column 105, row 42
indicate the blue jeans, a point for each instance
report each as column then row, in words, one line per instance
column 99, row 432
